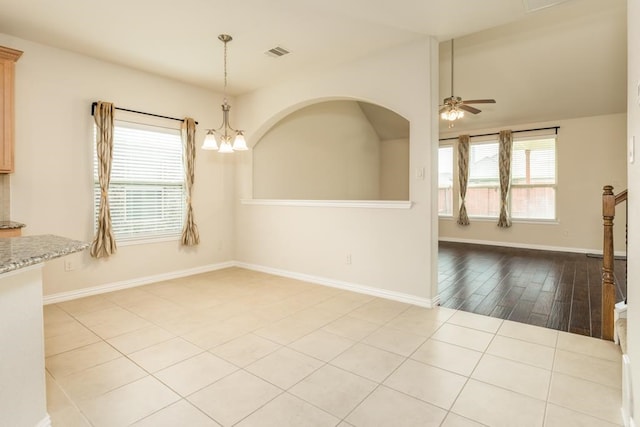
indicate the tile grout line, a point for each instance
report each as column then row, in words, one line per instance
column 381, row 383
column 324, row 363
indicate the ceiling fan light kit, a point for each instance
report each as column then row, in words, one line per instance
column 452, row 114
column 453, row 107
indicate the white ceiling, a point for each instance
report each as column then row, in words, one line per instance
column 179, row 40
column 563, row 62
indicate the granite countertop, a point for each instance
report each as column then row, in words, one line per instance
column 20, row 252
column 9, row 225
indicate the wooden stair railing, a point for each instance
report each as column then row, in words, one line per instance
column 609, row 202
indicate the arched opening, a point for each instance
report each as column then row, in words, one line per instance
column 334, row 150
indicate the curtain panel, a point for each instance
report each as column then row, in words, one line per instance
column 463, row 176
column 190, row 234
column 505, row 143
column 104, row 243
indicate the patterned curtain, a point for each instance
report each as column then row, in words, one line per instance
column 463, row 175
column 504, row 147
column 104, row 243
column 190, row 235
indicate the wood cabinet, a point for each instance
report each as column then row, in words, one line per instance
column 8, row 58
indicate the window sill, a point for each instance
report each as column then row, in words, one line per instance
column 132, row 241
column 516, row 221
column 483, row 218
column 368, row 204
column 536, row 221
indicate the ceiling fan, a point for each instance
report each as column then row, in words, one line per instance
column 453, row 107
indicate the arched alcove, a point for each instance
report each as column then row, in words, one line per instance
column 334, row 150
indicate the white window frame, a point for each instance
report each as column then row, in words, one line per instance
column 125, row 239
column 554, row 185
column 553, row 220
column 453, row 178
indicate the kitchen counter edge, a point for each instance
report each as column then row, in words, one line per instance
column 21, row 252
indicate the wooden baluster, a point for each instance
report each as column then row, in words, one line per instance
column 608, row 286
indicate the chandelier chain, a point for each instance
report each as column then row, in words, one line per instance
column 225, row 69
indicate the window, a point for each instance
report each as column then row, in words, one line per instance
column 483, row 187
column 146, row 193
column 445, row 180
column 533, row 179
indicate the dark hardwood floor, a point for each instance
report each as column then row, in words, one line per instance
column 556, row 290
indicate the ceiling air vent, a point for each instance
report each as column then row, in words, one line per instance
column 277, row 52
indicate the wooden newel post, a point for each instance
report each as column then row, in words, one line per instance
column 608, row 286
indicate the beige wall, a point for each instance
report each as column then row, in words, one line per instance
column 394, row 169
column 633, row 129
column 52, row 186
column 326, row 151
column 590, row 154
column 393, row 250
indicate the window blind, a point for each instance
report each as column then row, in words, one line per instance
column 483, row 190
column 483, row 165
column 534, row 162
column 533, row 179
column 146, row 193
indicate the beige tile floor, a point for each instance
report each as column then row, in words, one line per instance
column 237, row 347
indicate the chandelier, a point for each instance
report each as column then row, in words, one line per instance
column 230, row 139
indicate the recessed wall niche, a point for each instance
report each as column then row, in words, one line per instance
column 334, row 150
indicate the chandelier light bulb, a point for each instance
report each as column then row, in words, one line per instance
column 225, row 147
column 452, row 114
column 210, row 142
column 239, row 144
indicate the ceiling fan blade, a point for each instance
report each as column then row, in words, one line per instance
column 469, row 109
column 479, row 101
column 443, row 109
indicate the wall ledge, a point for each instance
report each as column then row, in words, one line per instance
column 368, row 204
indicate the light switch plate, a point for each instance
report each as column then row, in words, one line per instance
column 632, row 149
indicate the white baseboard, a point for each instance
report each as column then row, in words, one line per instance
column 353, row 287
column 527, row 246
column 45, row 422
column 126, row 284
column 435, row 301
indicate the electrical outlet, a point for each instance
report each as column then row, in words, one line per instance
column 348, row 259
column 68, row 265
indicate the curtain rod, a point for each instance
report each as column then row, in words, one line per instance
column 498, row 133
column 93, row 110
